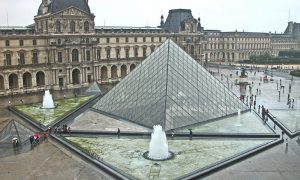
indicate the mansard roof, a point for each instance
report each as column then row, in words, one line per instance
column 127, row 29
column 175, row 18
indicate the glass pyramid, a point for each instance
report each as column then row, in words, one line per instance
column 171, row 89
column 94, row 88
column 14, row 129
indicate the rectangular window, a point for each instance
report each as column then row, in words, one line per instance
column 144, row 39
column 152, row 49
column 107, row 53
column 126, row 39
column 21, row 58
column 21, row 43
column 8, row 60
column 144, row 52
column 117, row 40
column 34, row 42
column 136, row 52
column 127, row 53
column 135, row 39
column 107, row 40
column 59, row 57
column 34, row 58
column 98, row 40
column 88, row 55
column 7, row 43
column 98, row 54
column 160, row 39
column 118, row 53
column 152, row 39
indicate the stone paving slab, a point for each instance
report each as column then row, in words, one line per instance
column 53, row 162
column 277, row 163
column 46, row 161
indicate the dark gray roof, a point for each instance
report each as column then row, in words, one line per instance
column 175, row 18
column 58, row 5
column 292, row 28
column 127, row 29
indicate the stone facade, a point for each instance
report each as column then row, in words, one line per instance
column 64, row 49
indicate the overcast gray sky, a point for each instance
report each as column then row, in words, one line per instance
column 225, row 15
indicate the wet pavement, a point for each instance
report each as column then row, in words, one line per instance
column 48, row 159
column 281, row 162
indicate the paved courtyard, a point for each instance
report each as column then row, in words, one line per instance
column 47, row 160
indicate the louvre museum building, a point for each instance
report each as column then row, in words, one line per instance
column 64, row 49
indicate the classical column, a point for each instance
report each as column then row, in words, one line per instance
column 20, row 79
column 82, row 75
column 128, row 69
column 119, row 72
column 99, row 73
column 68, row 55
column 109, row 72
column 6, row 83
column 69, row 76
column 33, row 79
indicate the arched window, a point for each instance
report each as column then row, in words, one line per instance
column 192, row 50
column 27, row 80
column 76, row 76
column 13, row 81
column 40, row 78
column 114, row 72
column 132, row 66
column 72, row 26
column 57, row 26
column 74, row 55
column 86, row 27
column 123, row 71
column 104, row 73
column 1, row 83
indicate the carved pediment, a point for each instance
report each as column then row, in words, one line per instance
column 72, row 11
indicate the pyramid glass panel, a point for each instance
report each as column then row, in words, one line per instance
column 171, row 89
column 14, row 130
column 94, row 88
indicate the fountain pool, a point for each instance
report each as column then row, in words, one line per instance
column 47, row 116
column 126, row 154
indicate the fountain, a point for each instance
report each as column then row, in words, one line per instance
column 158, row 148
column 48, row 101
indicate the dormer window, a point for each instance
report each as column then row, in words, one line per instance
column 86, row 27
column 6, row 42
column 58, row 26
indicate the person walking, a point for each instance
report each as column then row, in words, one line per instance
column 267, row 114
column 263, row 112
